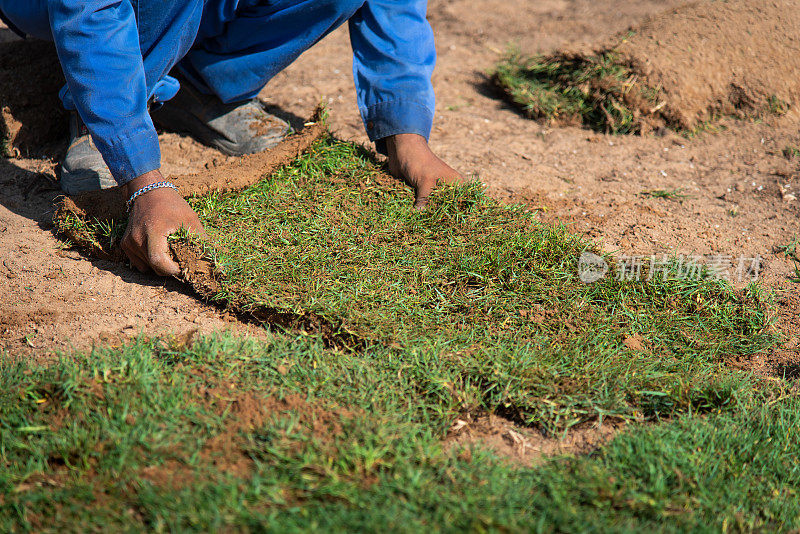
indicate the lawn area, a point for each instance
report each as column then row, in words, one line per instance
column 387, row 324
column 288, row 435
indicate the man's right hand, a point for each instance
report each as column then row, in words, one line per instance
column 153, row 217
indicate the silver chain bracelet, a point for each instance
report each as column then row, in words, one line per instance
column 145, row 189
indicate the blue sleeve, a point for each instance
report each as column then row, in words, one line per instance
column 393, row 59
column 98, row 46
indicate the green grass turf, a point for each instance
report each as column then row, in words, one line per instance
column 124, row 440
column 481, row 303
column 598, row 91
column 469, row 306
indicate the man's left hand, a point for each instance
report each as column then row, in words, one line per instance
column 411, row 160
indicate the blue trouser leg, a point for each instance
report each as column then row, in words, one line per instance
column 166, row 28
column 241, row 45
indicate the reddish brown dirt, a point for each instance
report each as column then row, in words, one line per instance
column 250, row 411
column 197, row 270
column 226, row 451
column 704, row 60
column 742, row 190
column 719, row 57
column 524, row 446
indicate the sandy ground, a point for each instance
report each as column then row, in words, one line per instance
column 741, row 190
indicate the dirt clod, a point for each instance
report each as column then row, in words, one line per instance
column 679, row 69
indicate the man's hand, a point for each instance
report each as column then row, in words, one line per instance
column 411, row 160
column 154, row 216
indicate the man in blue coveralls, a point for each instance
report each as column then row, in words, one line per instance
column 117, row 55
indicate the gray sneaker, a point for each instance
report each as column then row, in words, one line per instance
column 83, row 168
column 236, row 129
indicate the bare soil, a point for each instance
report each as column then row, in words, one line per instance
column 711, row 58
column 524, row 446
column 742, row 191
column 692, row 64
column 245, row 412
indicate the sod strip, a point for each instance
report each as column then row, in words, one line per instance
column 482, row 301
column 607, row 91
column 284, row 435
column 597, row 91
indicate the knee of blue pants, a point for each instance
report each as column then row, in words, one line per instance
column 167, row 30
column 218, row 13
column 237, row 53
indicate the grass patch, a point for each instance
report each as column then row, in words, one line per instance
column 791, row 152
column 481, row 302
column 777, row 106
column 288, row 435
column 597, row 91
column 791, row 251
column 710, row 126
column 602, row 92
